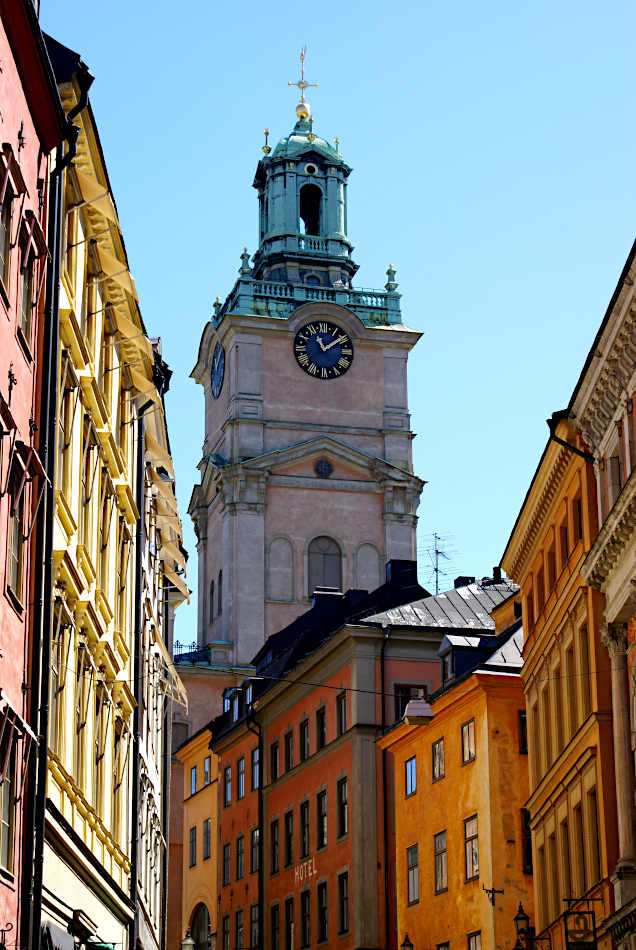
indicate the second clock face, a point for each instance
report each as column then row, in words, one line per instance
column 218, row 370
column 323, row 349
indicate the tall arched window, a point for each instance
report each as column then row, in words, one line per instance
column 219, row 595
column 310, row 201
column 211, row 618
column 324, row 564
column 200, row 928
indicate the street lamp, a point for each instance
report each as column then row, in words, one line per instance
column 525, row 932
column 188, row 943
column 522, row 922
column 406, row 945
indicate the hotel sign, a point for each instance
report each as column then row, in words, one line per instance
column 305, row 870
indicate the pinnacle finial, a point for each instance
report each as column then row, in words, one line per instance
column 266, row 148
column 302, row 109
column 245, row 268
column 391, row 284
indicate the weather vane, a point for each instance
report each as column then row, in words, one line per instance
column 302, row 85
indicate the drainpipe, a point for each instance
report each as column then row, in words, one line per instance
column 165, row 817
column 386, row 629
column 136, row 672
column 35, row 804
column 251, row 720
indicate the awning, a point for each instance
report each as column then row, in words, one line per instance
column 178, row 582
column 145, row 386
column 178, row 689
column 116, row 270
column 55, row 938
column 12, row 173
column 170, row 549
column 164, row 487
column 163, row 511
column 131, row 332
column 156, row 453
column 96, row 195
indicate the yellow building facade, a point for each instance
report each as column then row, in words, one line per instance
column 118, row 571
column 200, row 839
column 461, row 780
column 572, row 801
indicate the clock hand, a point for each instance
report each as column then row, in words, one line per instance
column 322, row 345
column 340, row 339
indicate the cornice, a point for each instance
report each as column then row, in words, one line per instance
column 539, row 514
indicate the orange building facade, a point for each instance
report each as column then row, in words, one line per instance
column 572, row 800
column 461, row 780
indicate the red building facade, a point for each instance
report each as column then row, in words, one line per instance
column 307, row 841
column 33, row 125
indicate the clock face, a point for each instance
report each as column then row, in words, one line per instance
column 218, row 370
column 323, row 349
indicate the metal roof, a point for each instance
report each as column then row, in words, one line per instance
column 462, row 608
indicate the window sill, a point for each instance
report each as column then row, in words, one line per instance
column 4, row 296
column 14, row 601
column 26, row 349
column 342, row 837
column 470, row 880
column 413, row 903
column 468, row 761
column 7, row 876
column 438, row 779
column 320, row 848
column 443, row 890
column 411, row 794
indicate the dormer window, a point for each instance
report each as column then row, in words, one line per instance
column 235, row 707
column 248, row 694
column 447, row 672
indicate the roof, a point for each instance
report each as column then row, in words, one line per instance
column 299, row 141
column 465, row 608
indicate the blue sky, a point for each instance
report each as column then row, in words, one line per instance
column 492, row 148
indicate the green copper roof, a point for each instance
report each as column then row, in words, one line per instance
column 300, row 141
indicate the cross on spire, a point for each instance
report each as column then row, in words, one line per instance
column 302, row 85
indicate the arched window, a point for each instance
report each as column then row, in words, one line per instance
column 310, row 201
column 368, row 567
column 200, row 928
column 211, row 601
column 324, row 564
column 280, row 570
column 220, row 593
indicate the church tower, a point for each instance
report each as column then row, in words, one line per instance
column 306, row 474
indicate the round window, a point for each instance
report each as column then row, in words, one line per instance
column 310, row 168
column 323, row 468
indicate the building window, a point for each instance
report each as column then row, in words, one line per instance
column 207, row 777
column 443, row 946
column 305, row 918
column 321, row 728
column 343, row 902
column 321, row 820
column 227, row 786
column 193, row 780
column 412, row 874
column 5, row 232
column 474, row 941
column 211, row 607
column 404, row 695
column 219, row 599
column 16, row 539
column 254, row 926
column 323, row 913
column 441, row 873
column 523, row 731
column 289, row 838
column 289, row 751
column 240, row 857
column 274, row 916
column 526, row 841
column 274, row 762
column 193, row 846
column 207, row 838
column 410, row 776
column 254, row 851
column 274, row 848
column 256, row 768
column 468, row 741
column 238, row 929
column 225, row 929
column 304, row 829
column 324, row 562
column 341, row 714
column 343, row 807
column 26, row 286
column 471, row 848
column 227, row 864
column 240, row 779
column 304, row 740
column 289, row 923
column 7, row 806
column 235, row 707
column 439, row 770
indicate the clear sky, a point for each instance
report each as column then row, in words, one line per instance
column 492, row 145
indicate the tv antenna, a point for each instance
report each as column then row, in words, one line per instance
column 440, row 558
